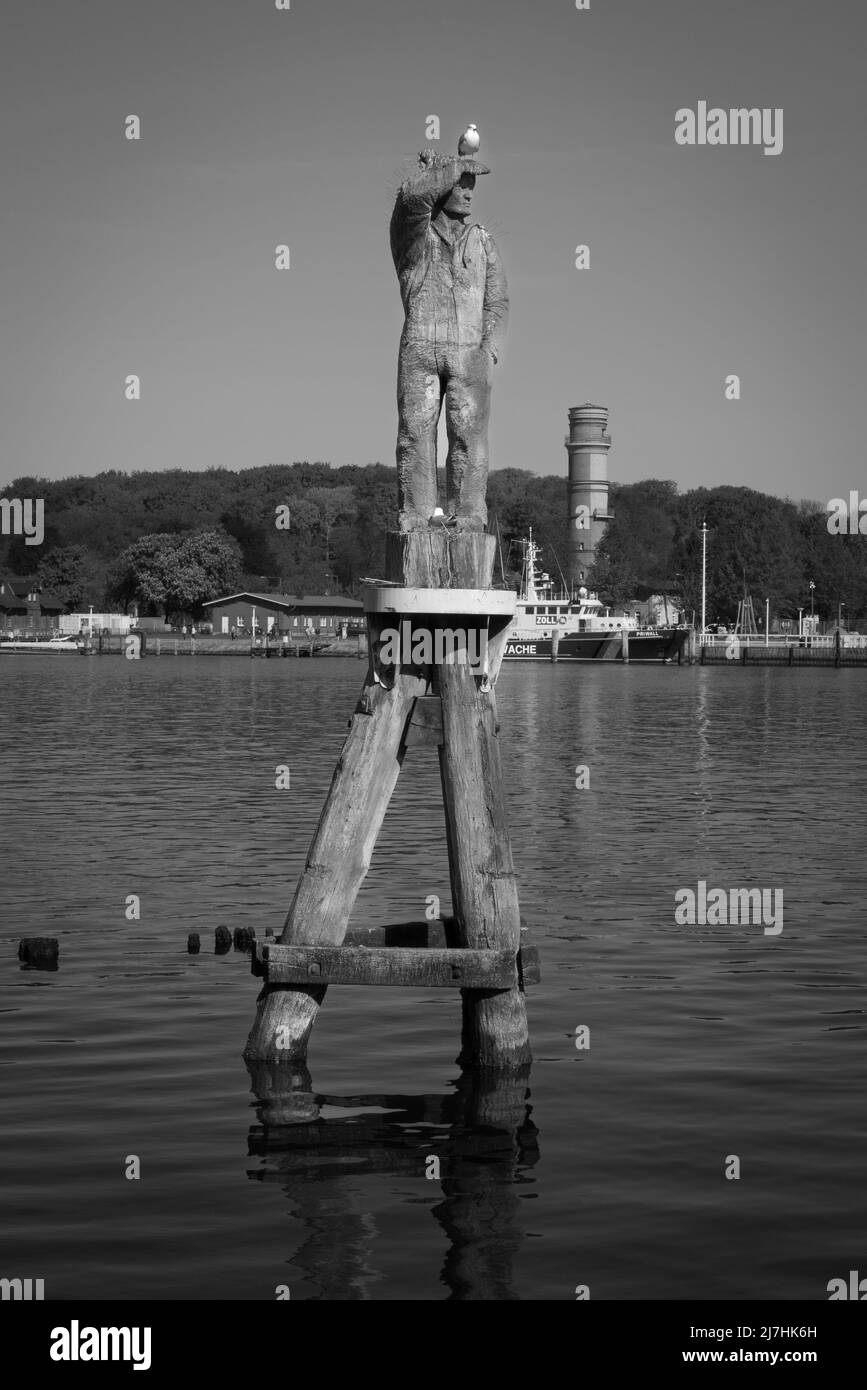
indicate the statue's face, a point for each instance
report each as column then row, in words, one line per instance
column 459, row 201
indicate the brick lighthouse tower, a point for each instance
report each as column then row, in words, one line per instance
column 587, row 445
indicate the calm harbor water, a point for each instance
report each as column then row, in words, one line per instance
column 157, row 778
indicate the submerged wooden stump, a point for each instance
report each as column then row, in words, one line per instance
column 438, row 585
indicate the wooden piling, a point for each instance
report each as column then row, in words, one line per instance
column 338, row 859
column 39, row 952
column 441, row 582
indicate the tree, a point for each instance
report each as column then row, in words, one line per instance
column 70, row 573
column 177, row 574
column 331, row 503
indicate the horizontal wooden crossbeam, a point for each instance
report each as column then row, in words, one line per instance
column 439, row 967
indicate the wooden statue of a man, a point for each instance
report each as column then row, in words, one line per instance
column 456, row 302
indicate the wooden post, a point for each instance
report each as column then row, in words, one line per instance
column 338, row 860
column 392, row 715
column 624, row 642
column 484, row 891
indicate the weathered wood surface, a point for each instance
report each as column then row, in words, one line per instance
column 441, row 931
column 338, row 859
column 484, row 889
column 360, row 791
column 529, row 966
column 484, row 892
column 440, row 559
column 396, row 965
column 40, row 951
column 426, row 723
column 391, row 965
column 436, row 935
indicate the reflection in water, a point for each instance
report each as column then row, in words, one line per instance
column 703, row 757
column 482, row 1136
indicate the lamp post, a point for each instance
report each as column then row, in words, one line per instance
column 812, row 589
column 703, row 575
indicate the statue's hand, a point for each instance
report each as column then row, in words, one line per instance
column 461, row 164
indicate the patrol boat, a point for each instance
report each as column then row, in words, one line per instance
column 552, row 626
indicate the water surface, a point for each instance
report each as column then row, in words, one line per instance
column 157, row 778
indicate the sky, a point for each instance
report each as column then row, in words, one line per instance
column 261, row 127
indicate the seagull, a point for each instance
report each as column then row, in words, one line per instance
column 469, row 141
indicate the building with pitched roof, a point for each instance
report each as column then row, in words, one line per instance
column 283, row 613
column 25, row 607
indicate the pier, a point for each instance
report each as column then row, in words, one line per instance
column 828, row 649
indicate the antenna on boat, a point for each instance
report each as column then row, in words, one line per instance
column 559, row 567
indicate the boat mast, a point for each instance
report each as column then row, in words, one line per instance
column 530, row 567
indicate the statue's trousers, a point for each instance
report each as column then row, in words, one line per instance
column 426, row 374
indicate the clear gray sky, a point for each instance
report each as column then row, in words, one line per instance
column 262, row 126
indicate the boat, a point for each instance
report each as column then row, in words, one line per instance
column 35, row 646
column 552, row 625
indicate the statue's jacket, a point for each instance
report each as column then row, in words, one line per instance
column 454, row 292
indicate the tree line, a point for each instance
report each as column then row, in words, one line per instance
column 168, row 541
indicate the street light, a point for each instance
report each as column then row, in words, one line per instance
column 703, row 574
column 812, row 587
